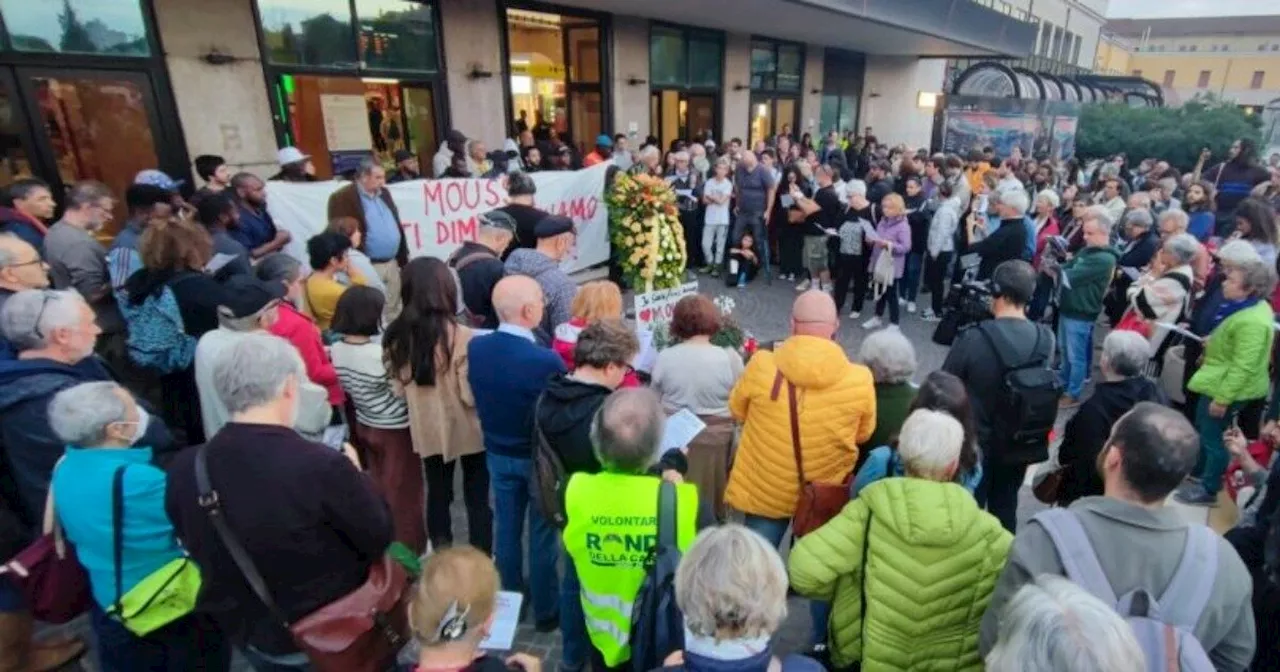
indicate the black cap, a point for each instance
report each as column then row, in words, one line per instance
column 552, row 226
column 496, row 155
column 249, row 296
column 455, row 137
column 403, row 155
column 498, row 219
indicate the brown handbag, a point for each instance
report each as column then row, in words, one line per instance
column 818, row 502
column 361, row 631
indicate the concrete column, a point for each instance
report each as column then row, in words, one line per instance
column 737, row 73
column 811, row 103
column 223, row 109
column 630, row 61
column 473, row 41
column 889, row 98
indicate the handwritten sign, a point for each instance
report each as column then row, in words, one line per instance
column 438, row 216
column 655, row 308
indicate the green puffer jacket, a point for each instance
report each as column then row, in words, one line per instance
column 1237, row 357
column 932, row 564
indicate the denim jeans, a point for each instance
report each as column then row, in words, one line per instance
column 754, row 222
column 772, row 529
column 909, row 283
column 573, row 622
column 1213, row 454
column 510, row 479
column 1075, row 338
column 819, row 615
column 190, row 643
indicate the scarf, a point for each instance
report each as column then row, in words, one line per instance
column 1229, row 308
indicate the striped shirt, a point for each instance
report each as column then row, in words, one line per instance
column 364, row 377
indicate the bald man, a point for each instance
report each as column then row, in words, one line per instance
column 834, row 398
column 508, row 370
column 814, row 314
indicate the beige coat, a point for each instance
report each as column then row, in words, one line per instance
column 442, row 418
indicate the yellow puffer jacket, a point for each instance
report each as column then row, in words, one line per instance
column 836, row 400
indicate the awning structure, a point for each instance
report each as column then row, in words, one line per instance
column 926, row 28
column 996, row 80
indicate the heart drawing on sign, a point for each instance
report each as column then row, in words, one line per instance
column 646, row 315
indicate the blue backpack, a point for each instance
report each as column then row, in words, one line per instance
column 158, row 339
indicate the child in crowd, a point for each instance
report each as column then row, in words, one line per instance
column 716, row 194
column 452, row 610
column 743, row 262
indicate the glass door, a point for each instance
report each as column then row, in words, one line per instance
column 586, row 99
column 771, row 115
column 94, row 125
column 15, row 152
column 681, row 116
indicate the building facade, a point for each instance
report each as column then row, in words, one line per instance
column 103, row 88
column 1067, row 35
column 1234, row 58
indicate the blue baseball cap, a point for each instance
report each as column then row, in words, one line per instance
column 604, row 141
column 158, row 178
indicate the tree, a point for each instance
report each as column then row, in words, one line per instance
column 75, row 37
column 1175, row 134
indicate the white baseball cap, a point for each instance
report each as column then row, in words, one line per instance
column 288, row 155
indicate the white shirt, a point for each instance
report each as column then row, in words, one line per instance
column 718, row 213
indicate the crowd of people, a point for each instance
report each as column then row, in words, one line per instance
column 256, row 439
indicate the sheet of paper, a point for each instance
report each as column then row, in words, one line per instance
column 684, row 193
column 786, row 200
column 647, row 356
column 1130, row 272
column 680, row 429
column 218, row 261
column 505, row 618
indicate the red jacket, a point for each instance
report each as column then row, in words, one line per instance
column 298, row 329
column 566, row 339
column 1049, row 230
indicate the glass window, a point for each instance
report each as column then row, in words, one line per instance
column 1203, row 82
column 705, row 61
column 317, row 32
column 763, row 65
column 14, row 162
column 584, row 53
column 667, row 65
column 790, row 65
column 111, row 27
column 397, row 35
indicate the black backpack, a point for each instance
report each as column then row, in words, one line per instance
column 549, row 477
column 657, row 626
column 1028, row 406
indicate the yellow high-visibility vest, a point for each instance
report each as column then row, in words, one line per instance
column 613, row 524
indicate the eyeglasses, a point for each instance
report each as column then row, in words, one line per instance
column 37, row 260
column 47, row 296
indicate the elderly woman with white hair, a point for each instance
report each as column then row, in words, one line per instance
column 892, row 360
column 1046, row 220
column 1235, row 371
column 731, row 587
column 687, row 184
column 877, row 561
column 1163, row 294
column 1122, row 386
column 109, row 498
column 851, row 256
column 1053, row 625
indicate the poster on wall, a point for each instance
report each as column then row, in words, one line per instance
column 437, row 216
column 975, row 129
column 346, row 129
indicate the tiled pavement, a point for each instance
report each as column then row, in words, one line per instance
column 764, row 310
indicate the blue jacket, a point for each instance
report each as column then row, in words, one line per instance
column 27, row 443
column 507, row 372
column 123, row 259
column 884, row 460
column 82, row 492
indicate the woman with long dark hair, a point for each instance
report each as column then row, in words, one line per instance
column 426, row 352
column 1256, row 223
column 940, row 391
column 789, row 221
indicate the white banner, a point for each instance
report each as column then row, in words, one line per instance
column 439, row 215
